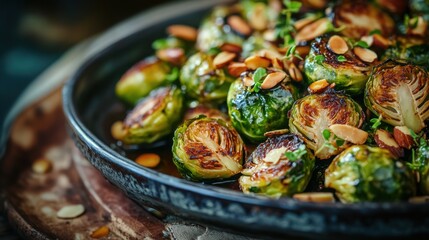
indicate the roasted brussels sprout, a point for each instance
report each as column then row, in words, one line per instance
column 203, row 81
column 281, row 166
column 362, row 173
column 359, row 18
column 144, row 77
column 399, row 93
column 207, row 149
column 154, row 117
column 255, row 113
column 312, row 115
column 215, row 32
column 347, row 71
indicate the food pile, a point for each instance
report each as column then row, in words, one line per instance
column 264, row 91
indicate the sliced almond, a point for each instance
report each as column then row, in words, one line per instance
column 171, row 55
column 325, row 197
column 248, row 81
column 295, row 73
column 312, row 30
column 254, row 62
column 349, row 133
column 41, row 166
column 223, row 58
column 270, row 54
column 277, row 63
column 365, row 54
column 150, row 160
column 385, row 140
column 274, row 155
column 403, row 137
column 231, row 47
column 299, row 24
column 100, row 232
column 338, row 45
column 269, row 35
column 318, row 86
column 258, row 18
column 419, row 199
column 235, row 69
column 273, row 79
column 184, row 32
column 71, row 211
column 381, row 42
column 239, row 25
column 303, row 50
column 117, row 130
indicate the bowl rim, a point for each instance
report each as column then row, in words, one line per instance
column 229, row 195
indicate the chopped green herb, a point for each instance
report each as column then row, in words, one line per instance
column 297, row 153
column 213, row 51
column 375, row 31
column 362, row 44
column 160, row 44
column 376, row 122
column 341, row 58
column 319, row 59
column 292, row 6
column 326, row 134
column 258, row 76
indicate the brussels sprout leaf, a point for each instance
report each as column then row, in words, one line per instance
column 341, row 58
column 297, row 153
column 319, row 59
column 258, row 77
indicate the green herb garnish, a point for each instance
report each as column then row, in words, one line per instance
column 258, row 77
column 297, row 153
column 341, row 58
column 361, row 44
column 319, row 59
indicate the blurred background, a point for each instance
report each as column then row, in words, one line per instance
column 35, row 33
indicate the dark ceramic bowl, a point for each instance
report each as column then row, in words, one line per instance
column 90, row 107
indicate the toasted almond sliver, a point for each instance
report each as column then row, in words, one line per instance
column 273, row 79
column 239, row 25
column 236, row 68
column 318, row 86
column 277, row 63
column 258, row 20
column 381, row 42
column 100, row 232
column 303, row 50
column 248, row 81
column 312, row 30
column 299, row 24
column 254, row 62
column 365, row 54
column 231, row 47
column 171, row 55
column 315, row 197
column 270, row 54
column 294, row 73
column 183, row 32
column 41, row 166
column 223, row 58
column 349, row 133
column 338, row 45
column 149, row 160
column 71, row 211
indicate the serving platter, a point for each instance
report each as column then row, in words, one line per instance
column 90, row 107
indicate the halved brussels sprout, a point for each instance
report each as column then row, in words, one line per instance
column 362, row 173
column 399, row 92
column 214, row 31
column 154, row 117
column 359, row 18
column 207, row 149
column 348, row 72
column 270, row 172
column 144, row 77
column 255, row 113
column 203, row 81
column 312, row 115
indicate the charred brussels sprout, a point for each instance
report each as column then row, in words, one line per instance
column 255, row 113
column 214, row 31
column 359, row 18
column 144, row 77
column 362, row 173
column 207, row 149
column 347, row 71
column 311, row 116
column 203, row 81
column 154, row 117
column 281, row 166
column 399, row 93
